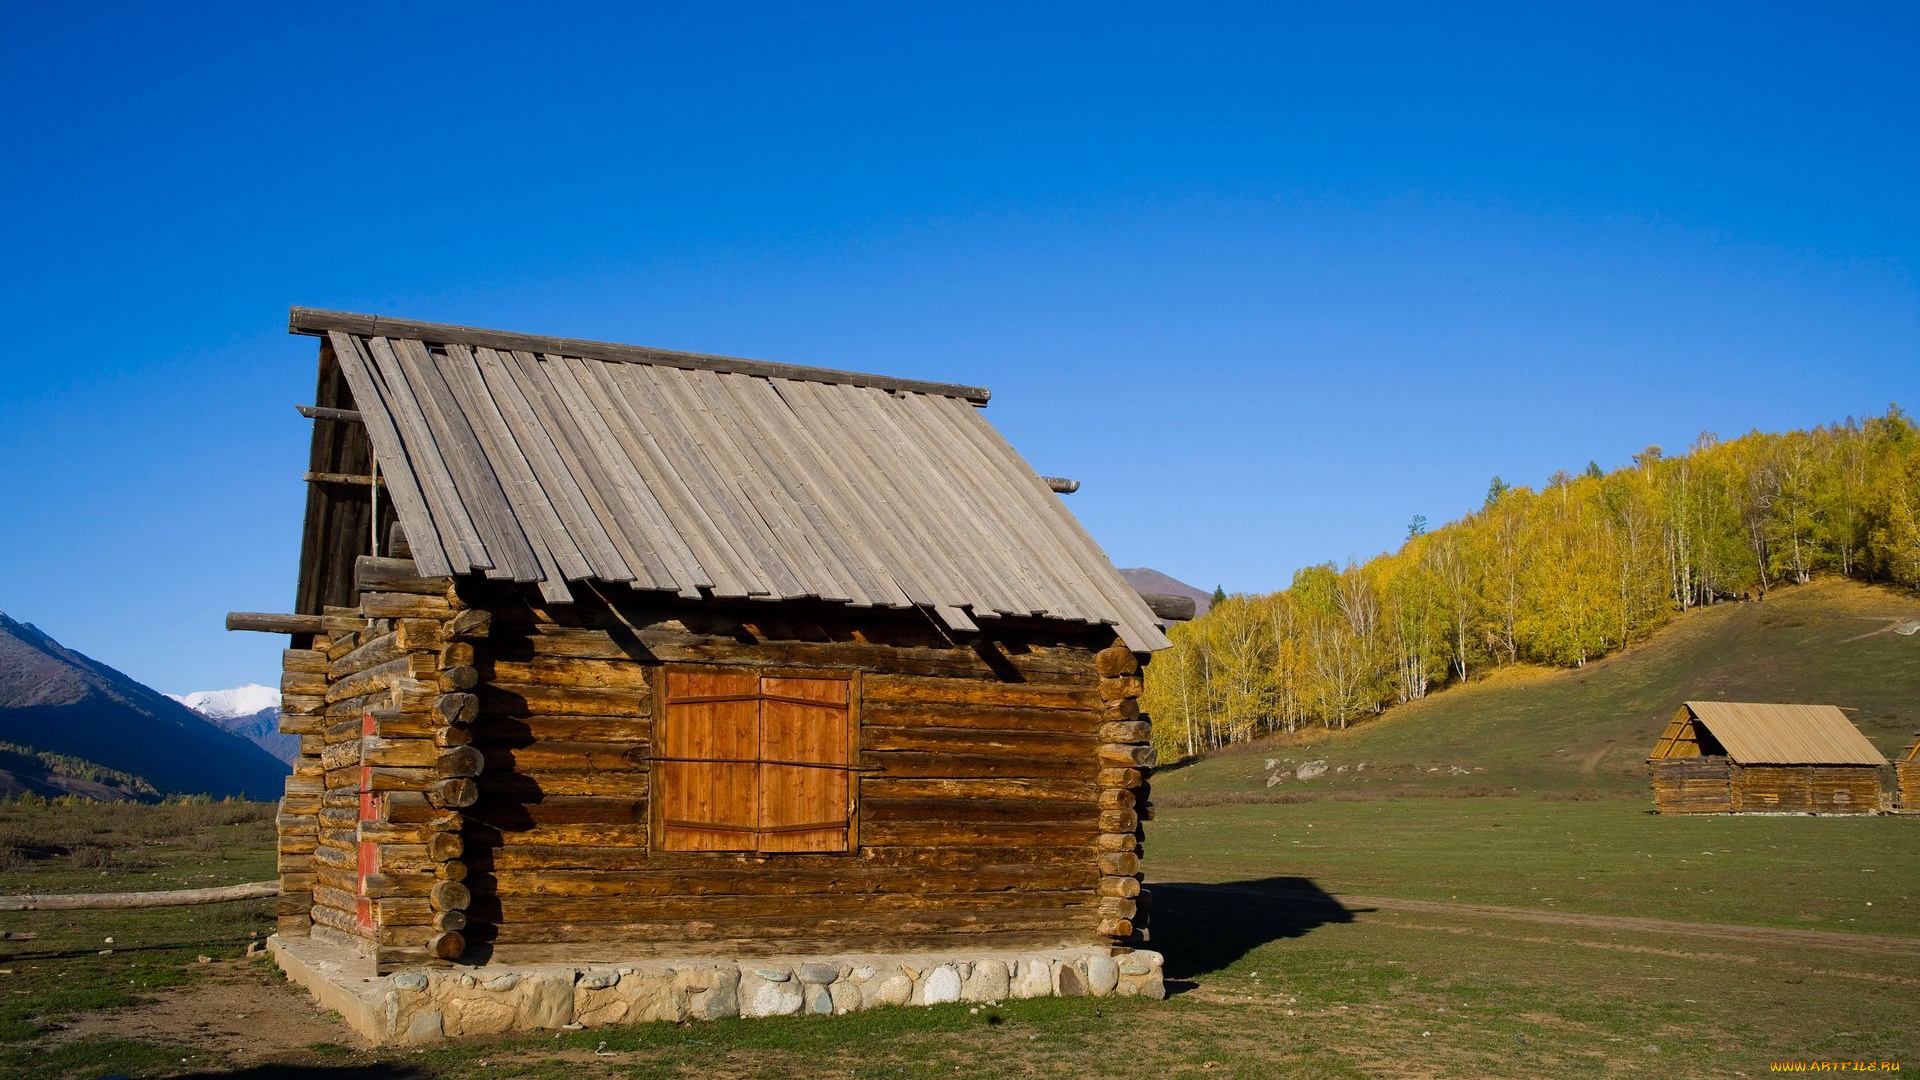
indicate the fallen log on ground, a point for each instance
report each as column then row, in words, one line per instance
column 253, row 890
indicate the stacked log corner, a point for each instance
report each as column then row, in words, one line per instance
column 370, row 831
column 1126, row 762
column 1906, row 775
column 303, row 687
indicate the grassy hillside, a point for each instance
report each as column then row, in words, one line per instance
column 1587, row 731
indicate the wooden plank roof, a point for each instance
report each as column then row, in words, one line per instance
column 1770, row 734
column 547, row 460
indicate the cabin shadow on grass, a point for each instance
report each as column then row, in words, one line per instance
column 1201, row 928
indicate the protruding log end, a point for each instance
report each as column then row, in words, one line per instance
column 1169, row 607
column 449, row 896
column 460, row 761
column 267, row 622
column 454, row 794
column 447, row 945
column 1116, row 928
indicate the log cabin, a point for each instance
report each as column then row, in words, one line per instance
column 1724, row 757
column 608, row 655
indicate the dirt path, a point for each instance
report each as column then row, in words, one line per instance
column 1877, row 944
column 238, row 1012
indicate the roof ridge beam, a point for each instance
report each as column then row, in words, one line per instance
column 316, row 322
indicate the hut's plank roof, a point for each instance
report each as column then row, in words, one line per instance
column 548, row 460
column 1785, row 734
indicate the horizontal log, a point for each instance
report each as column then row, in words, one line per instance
column 408, row 694
column 1115, row 660
column 975, row 811
column 975, row 741
column 552, row 755
column 420, row 633
column 566, row 671
column 530, row 853
column 447, row 945
column 1125, row 755
column 1120, row 778
column 900, row 763
column 1009, row 718
column 323, row 412
column 781, row 880
column 1137, row 731
column 302, row 704
column 1123, row 863
column 1169, row 607
column 507, row 813
column 764, row 934
column 271, row 623
column 1124, row 686
column 533, row 787
column 521, row 699
column 374, row 574
column 876, row 688
column 506, row 909
column 405, row 605
column 1115, row 821
column 315, row 321
column 1116, row 928
column 378, row 650
column 402, row 832
column 941, row 834
column 887, row 787
column 115, row 900
column 527, row 730
column 457, row 654
column 470, row 624
column 305, row 661
column 300, row 723
column 1125, row 888
column 367, row 681
column 350, row 479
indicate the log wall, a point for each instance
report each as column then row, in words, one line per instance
column 370, row 842
column 1001, row 785
column 1691, row 785
column 1824, row 789
column 1907, row 781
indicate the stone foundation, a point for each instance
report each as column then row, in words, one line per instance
column 423, row 1005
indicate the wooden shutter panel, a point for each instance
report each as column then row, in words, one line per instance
column 804, row 722
column 709, row 803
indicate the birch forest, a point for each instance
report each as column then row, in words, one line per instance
column 1587, row 565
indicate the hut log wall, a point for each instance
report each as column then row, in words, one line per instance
column 1000, row 787
column 1692, row 785
column 1824, row 789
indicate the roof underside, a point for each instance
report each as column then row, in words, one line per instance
column 523, row 460
column 1785, row 734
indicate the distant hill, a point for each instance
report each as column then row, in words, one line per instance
column 251, row 712
column 1554, row 731
column 1145, row 579
column 56, row 701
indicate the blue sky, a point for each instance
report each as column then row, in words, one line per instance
column 1269, row 280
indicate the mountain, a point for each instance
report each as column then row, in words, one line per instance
column 55, row 701
column 1146, row 579
column 251, row 712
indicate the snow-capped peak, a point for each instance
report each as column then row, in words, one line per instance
column 227, row 704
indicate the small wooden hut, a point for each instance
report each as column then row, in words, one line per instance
column 607, row 652
column 1721, row 757
column 1907, row 780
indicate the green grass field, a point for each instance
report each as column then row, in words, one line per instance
column 1390, row 922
